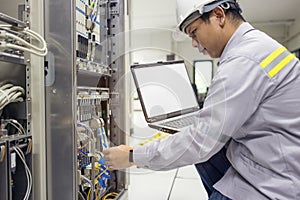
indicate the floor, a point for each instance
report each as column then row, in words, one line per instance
column 178, row 184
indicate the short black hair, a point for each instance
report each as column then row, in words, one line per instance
column 234, row 11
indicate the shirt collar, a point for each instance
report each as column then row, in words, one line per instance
column 235, row 39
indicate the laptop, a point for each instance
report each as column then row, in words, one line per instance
column 167, row 97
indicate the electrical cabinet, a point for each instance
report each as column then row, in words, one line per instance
column 83, row 105
column 15, row 100
column 66, row 106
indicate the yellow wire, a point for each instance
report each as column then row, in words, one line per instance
column 96, row 183
column 97, row 192
column 3, row 153
column 112, row 194
column 89, row 193
column 100, row 174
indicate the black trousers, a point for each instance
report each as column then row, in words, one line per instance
column 212, row 171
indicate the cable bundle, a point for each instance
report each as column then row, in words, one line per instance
column 20, row 43
column 97, row 184
column 15, row 124
column 94, row 6
column 9, row 94
column 27, row 170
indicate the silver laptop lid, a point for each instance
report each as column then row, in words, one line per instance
column 164, row 90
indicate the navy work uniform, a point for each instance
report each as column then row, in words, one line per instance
column 253, row 107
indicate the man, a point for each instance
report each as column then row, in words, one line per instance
column 251, row 113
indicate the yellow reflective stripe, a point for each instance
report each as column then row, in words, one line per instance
column 272, row 57
column 281, row 65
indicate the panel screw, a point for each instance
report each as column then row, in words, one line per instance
column 28, row 8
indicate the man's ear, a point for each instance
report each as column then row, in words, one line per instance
column 220, row 15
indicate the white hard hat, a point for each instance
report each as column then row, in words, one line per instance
column 190, row 10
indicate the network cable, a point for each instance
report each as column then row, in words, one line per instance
column 110, row 196
column 15, row 124
column 3, row 152
column 94, row 5
column 104, row 133
column 10, row 93
column 90, row 194
column 27, row 47
column 101, row 132
column 90, row 135
column 19, row 130
column 27, row 171
column 99, row 181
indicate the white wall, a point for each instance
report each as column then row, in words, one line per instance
column 286, row 32
column 189, row 54
column 152, row 45
column 293, row 40
column 278, row 31
column 153, row 13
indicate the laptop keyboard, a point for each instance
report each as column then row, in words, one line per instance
column 182, row 122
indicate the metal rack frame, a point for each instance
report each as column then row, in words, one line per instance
column 62, row 81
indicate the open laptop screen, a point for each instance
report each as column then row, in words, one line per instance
column 164, row 89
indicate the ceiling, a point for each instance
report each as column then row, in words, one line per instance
column 162, row 13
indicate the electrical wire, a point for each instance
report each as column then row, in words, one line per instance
column 94, row 185
column 89, row 193
column 39, row 51
column 9, row 94
column 98, row 176
column 3, row 152
column 38, row 37
column 87, row 128
column 22, row 41
column 112, row 194
column 20, row 125
column 28, row 174
column 9, row 89
column 92, row 188
column 101, row 131
column 97, row 191
column 83, row 153
column 101, row 162
column 91, row 134
column 19, row 130
column 94, row 191
column 27, row 171
column 104, row 132
column 5, row 25
column 81, row 197
column 95, row 6
column 13, row 46
column 103, row 188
